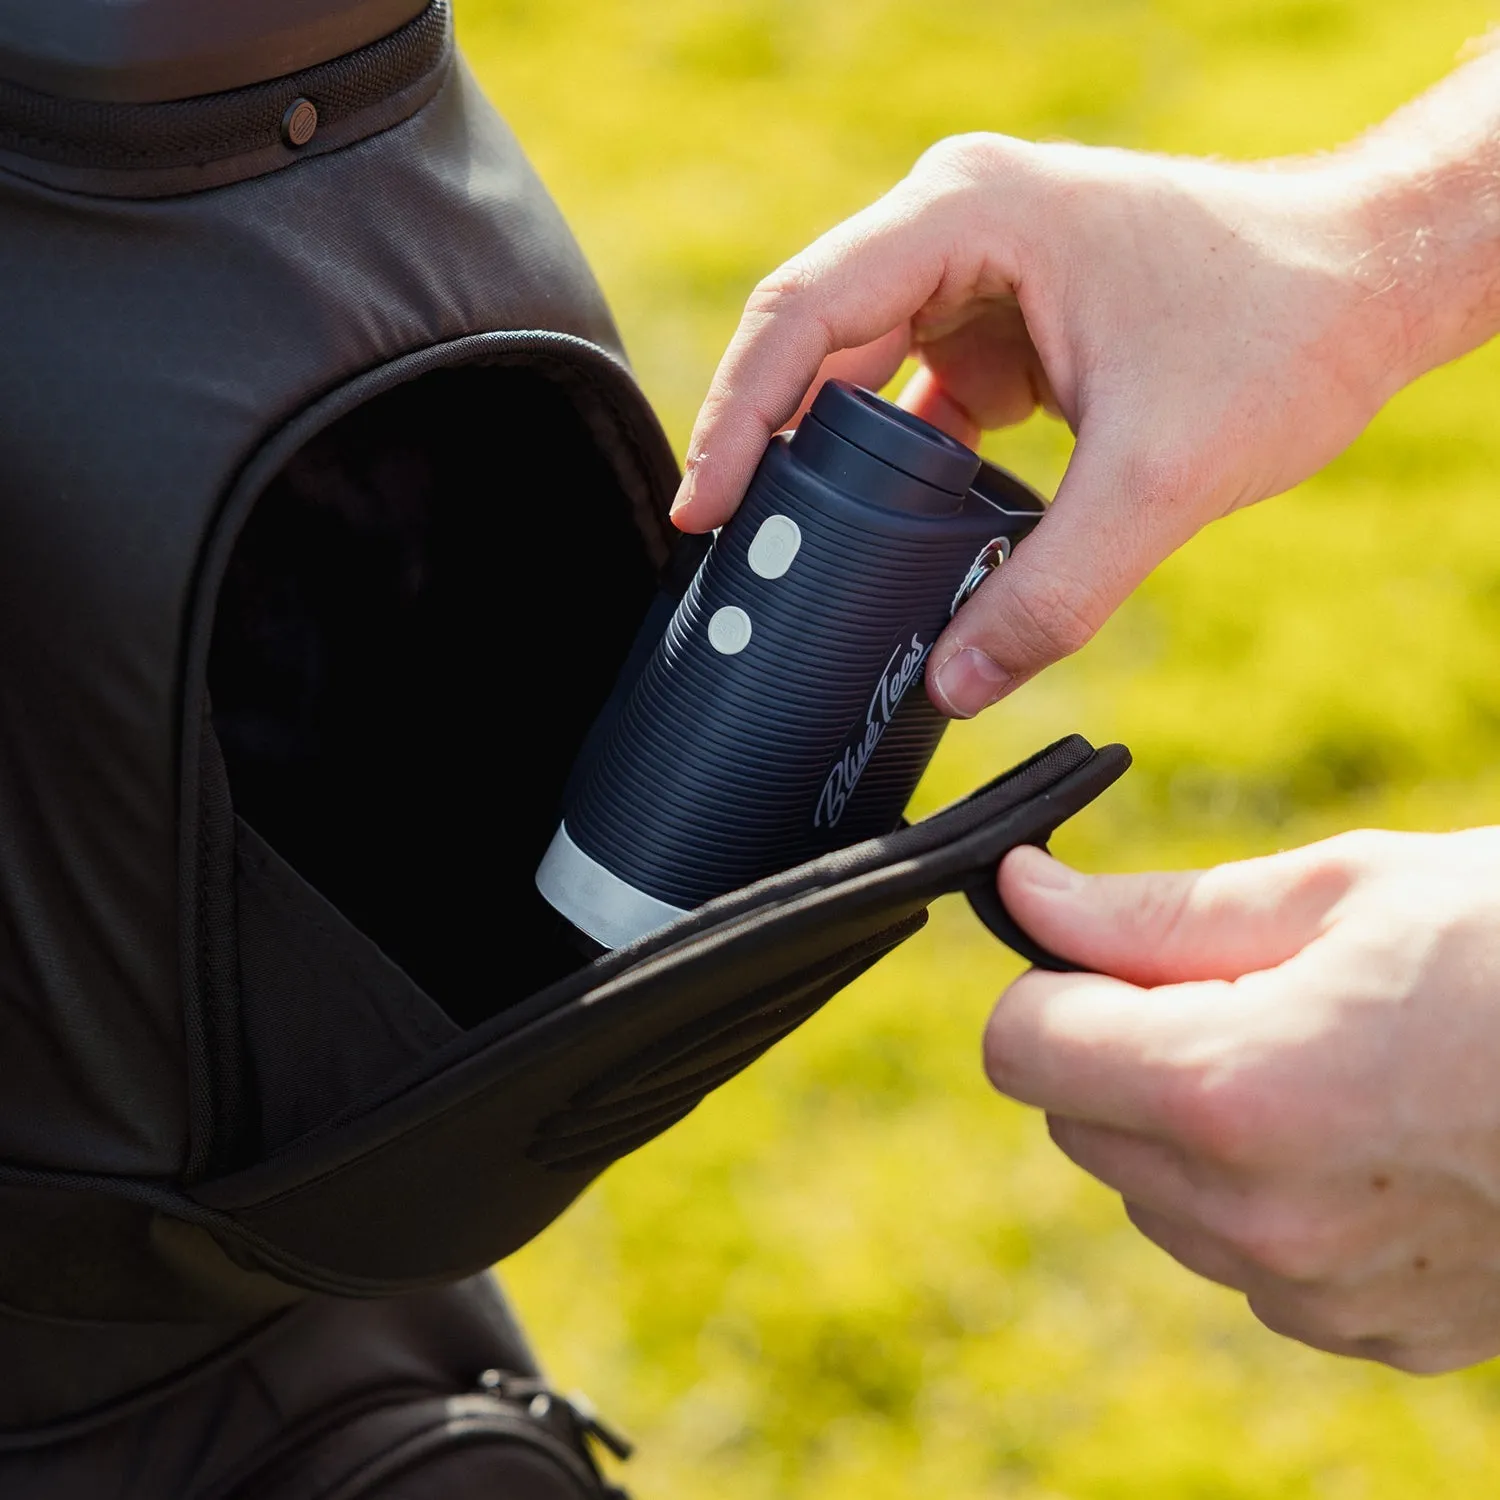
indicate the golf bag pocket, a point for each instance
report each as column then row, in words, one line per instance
column 411, row 1066
column 469, row 1153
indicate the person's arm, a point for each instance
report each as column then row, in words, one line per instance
column 1212, row 333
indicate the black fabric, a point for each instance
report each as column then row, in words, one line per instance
column 326, row 1015
column 329, row 513
column 175, row 49
column 184, row 144
column 470, row 1447
column 634, row 1100
column 224, row 1110
column 489, row 1139
column 373, row 665
column 107, row 1302
column 161, row 362
column 150, row 350
column 404, row 1397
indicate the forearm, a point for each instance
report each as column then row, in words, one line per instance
column 1430, row 189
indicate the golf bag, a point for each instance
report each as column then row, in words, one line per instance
column 329, row 511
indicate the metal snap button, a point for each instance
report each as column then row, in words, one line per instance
column 300, row 122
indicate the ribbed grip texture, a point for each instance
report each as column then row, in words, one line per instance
column 722, row 768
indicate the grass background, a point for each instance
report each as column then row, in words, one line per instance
column 855, row 1270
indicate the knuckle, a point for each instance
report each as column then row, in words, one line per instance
column 965, row 158
column 1344, row 1322
column 1412, row 1360
column 794, row 298
column 1215, row 1112
column 1313, row 878
column 1161, row 911
column 1288, row 1245
column 1248, row 1110
column 1356, row 847
column 781, row 289
column 1314, row 1322
column 1280, row 1319
column 1294, row 1318
column 1328, row 875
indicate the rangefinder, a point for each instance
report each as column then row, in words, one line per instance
column 782, row 712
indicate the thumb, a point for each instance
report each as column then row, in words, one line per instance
column 1111, row 523
column 1179, row 926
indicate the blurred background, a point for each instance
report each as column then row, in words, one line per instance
column 856, row 1271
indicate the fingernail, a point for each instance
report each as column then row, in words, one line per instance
column 1042, row 872
column 969, row 681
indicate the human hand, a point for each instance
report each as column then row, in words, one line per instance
column 1291, row 1082
column 1208, row 331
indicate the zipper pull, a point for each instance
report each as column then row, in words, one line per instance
column 539, row 1398
column 595, row 1425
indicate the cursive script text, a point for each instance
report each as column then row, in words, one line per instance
column 903, row 669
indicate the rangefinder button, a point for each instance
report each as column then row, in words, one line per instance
column 729, row 630
column 774, row 546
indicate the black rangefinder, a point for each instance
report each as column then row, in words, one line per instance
column 782, row 713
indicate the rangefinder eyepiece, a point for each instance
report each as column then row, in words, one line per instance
column 782, row 713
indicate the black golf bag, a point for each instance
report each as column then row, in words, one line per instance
column 329, row 511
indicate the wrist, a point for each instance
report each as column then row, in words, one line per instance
column 1423, row 191
column 1322, row 227
column 1391, row 321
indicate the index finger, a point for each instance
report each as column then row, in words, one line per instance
column 855, row 285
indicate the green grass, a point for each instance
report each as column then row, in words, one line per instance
column 855, row 1271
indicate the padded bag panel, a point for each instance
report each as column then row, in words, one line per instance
column 340, row 1398
column 163, row 359
column 151, row 347
column 490, row 1139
